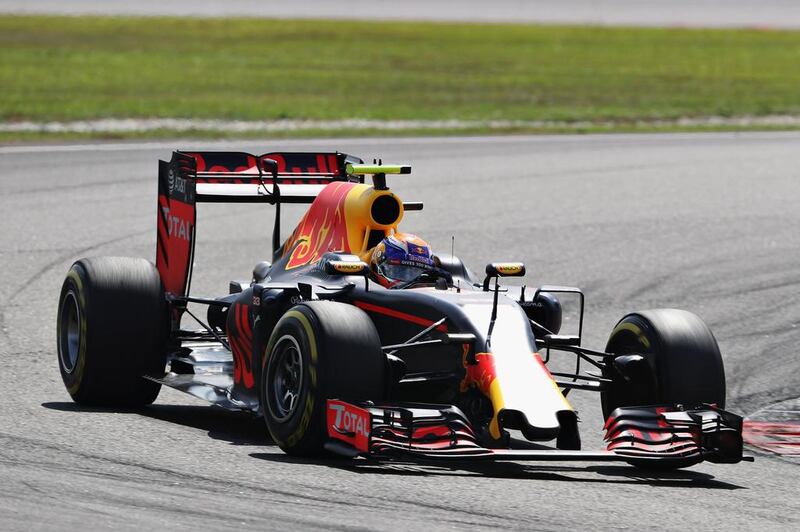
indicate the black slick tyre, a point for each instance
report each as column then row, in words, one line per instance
column 683, row 361
column 318, row 350
column 111, row 329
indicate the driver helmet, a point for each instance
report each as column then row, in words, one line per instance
column 400, row 258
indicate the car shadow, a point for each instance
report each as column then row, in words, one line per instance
column 603, row 474
column 236, row 428
column 245, row 429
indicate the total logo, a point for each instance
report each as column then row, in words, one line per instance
column 177, row 226
column 350, row 422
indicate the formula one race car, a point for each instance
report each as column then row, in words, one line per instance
column 439, row 367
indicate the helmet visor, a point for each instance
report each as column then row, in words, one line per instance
column 402, row 272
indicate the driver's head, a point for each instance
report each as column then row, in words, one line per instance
column 400, row 258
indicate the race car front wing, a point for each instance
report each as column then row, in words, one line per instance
column 670, row 436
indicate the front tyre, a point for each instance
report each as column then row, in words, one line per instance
column 111, row 329
column 319, row 350
column 681, row 361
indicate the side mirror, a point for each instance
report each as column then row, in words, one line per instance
column 502, row 269
column 505, row 269
column 347, row 267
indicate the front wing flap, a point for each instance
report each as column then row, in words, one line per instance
column 671, row 436
column 704, row 432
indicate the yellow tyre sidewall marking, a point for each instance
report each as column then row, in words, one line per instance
column 308, row 408
column 625, row 326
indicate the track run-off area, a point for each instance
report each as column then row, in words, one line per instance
column 705, row 222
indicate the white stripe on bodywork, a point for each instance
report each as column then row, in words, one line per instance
column 524, row 384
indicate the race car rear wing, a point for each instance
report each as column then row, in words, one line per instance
column 293, row 177
column 232, row 177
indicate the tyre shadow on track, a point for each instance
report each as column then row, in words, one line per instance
column 245, row 429
column 604, row 474
column 236, row 428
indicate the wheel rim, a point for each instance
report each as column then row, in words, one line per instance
column 285, row 378
column 70, row 326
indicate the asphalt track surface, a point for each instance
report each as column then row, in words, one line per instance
column 710, row 13
column 705, row 222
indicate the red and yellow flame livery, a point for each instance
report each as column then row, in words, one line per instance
column 345, row 217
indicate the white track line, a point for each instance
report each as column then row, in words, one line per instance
column 314, row 143
column 138, row 125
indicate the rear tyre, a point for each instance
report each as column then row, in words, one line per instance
column 111, row 329
column 682, row 362
column 319, row 350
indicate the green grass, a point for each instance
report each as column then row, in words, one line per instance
column 67, row 68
